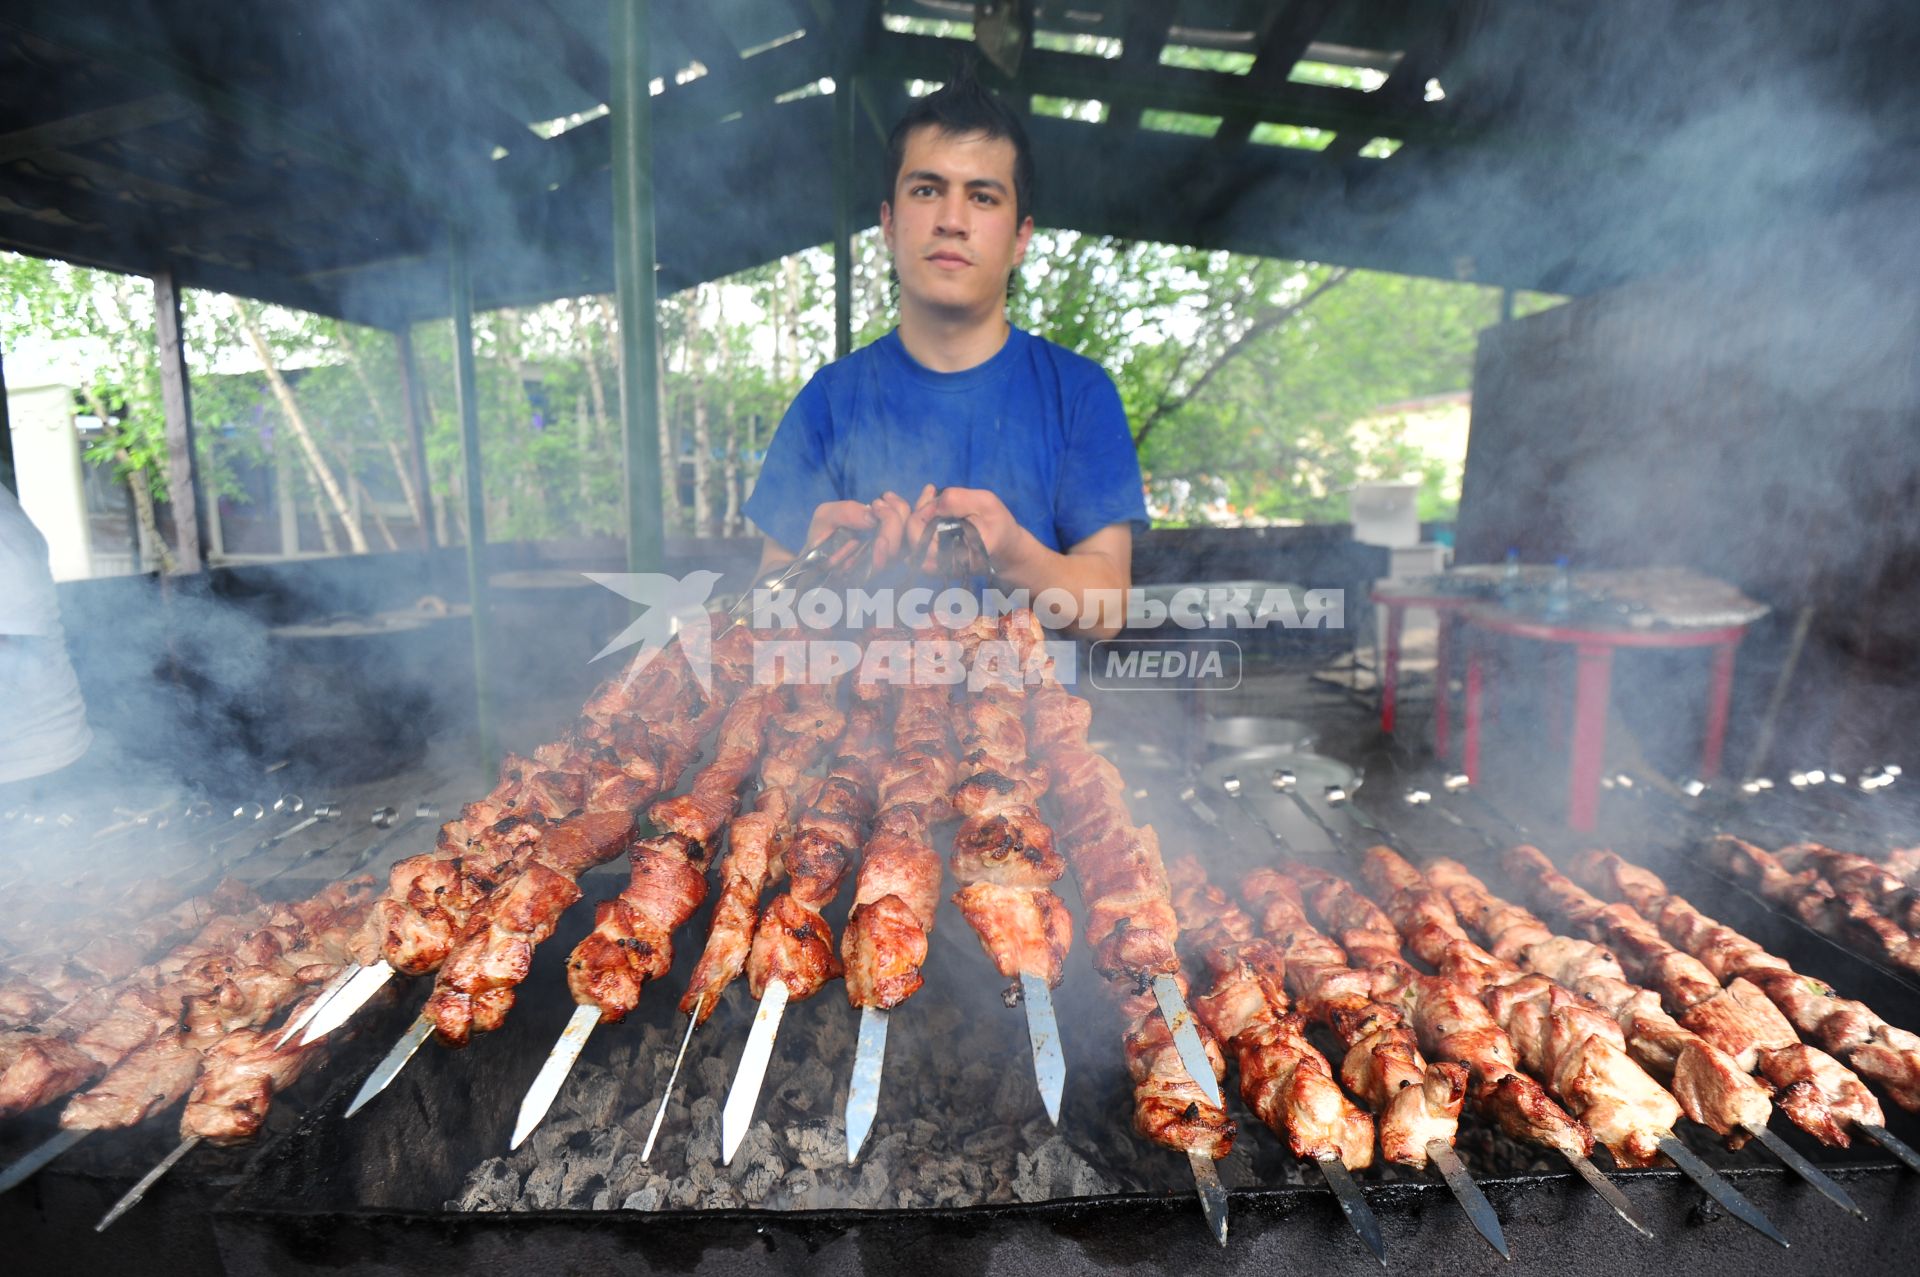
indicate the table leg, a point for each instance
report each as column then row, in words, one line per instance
column 1442, row 697
column 1390, row 667
column 1592, row 677
column 1470, row 747
column 1719, row 693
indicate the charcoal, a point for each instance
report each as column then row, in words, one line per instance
column 758, row 1147
column 703, row 1142
column 1055, row 1170
column 493, row 1185
column 720, row 1195
column 711, row 1076
column 819, row 1144
column 757, row 1182
column 682, row 1194
column 590, row 1160
column 542, row 1190
column 650, row 1196
column 990, row 1142
column 594, row 1094
column 871, row 1192
column 809, row 1085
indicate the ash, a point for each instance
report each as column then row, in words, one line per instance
column 960, row 1123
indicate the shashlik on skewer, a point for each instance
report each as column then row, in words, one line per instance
column 1821, row 1095
column 1848, row 909
column 1284, row 1078
column 479, row 978
column 1373, row 998
column 1003, row 853
column 298, row 948
column 1571, row 1045
column 1888, row 1057
column 617, row 759
column 897, row 890
column 1176, row 1066
column 792, row 956
column 151, row 1032
column 239, row 1077
column 631, row 943
column 1855, row 875
column 795, row 740
column 124, row 937
column 1715, row 1087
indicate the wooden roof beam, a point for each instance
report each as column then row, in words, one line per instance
column 1285, row 40
column 1141, row 43
column 67, row 26
column 93, row 126
column 1171, row 89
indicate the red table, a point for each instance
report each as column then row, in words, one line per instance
column 1396, row 598
column 1594, row 646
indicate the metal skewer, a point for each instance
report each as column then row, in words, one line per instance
column 147, row 1181
column 673, row 1078
column 1186, row 1038
column 863, row 1094
column 1043, row 1033
column 1353, row 1204
column 1213, row 1194
column 1806, row 1170
column 1284, row 781
column 29, row 1165
column 553, row 1074
column 1717, row 1188
column 350, row 997
column 300, row 1021
column 403, row 1050
column 325, row 811
column 1479, row 1211
column 1468, row 1194
column 1457, row 783
column 1609, row 1192
column 744, row 1097
column 1886, row 1139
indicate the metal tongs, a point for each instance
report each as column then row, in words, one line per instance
column 828, row 557
column 959, row 553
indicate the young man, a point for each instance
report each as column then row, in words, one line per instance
column 965, row 414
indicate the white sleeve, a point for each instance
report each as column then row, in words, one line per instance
column 28, row 604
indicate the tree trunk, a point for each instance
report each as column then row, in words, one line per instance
column 152, row 545
column 296, row 422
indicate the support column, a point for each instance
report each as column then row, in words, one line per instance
column 843, row 103
column 176, row 396
column 635, row 289
column 466, row 392
column 415, row 392
column 7, row 477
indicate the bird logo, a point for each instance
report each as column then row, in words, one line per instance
column 675, row 607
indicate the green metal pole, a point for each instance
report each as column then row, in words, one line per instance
column 466, row 397
column 843, row 104
column 635, row 294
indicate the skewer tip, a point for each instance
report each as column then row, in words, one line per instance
column 389, row 1068
column 1213, row 1194
column 863, row 1093
column 744, row 1096
column 1474, row 1202
column 666, row 1092
column 1806, row 1170
column 1717, row 1187
column 1353, row 1204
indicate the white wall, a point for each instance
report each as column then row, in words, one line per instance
column 46, row 461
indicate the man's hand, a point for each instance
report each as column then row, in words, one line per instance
column 1005, row 540
column 885, row 517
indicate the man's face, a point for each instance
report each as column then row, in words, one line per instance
column 951, row 225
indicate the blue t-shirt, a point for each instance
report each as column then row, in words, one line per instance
column 1037, row 425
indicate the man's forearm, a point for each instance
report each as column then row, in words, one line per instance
column 1084, row 572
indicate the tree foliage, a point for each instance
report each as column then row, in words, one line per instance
column 1243, row 378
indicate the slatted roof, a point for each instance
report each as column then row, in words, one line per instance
column 316, row 154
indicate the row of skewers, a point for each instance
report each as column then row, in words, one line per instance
column 1613, row 1052
column 1865, row 904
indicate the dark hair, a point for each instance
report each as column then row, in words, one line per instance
column 962, row 108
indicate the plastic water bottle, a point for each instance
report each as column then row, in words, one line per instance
column 1560, row 589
